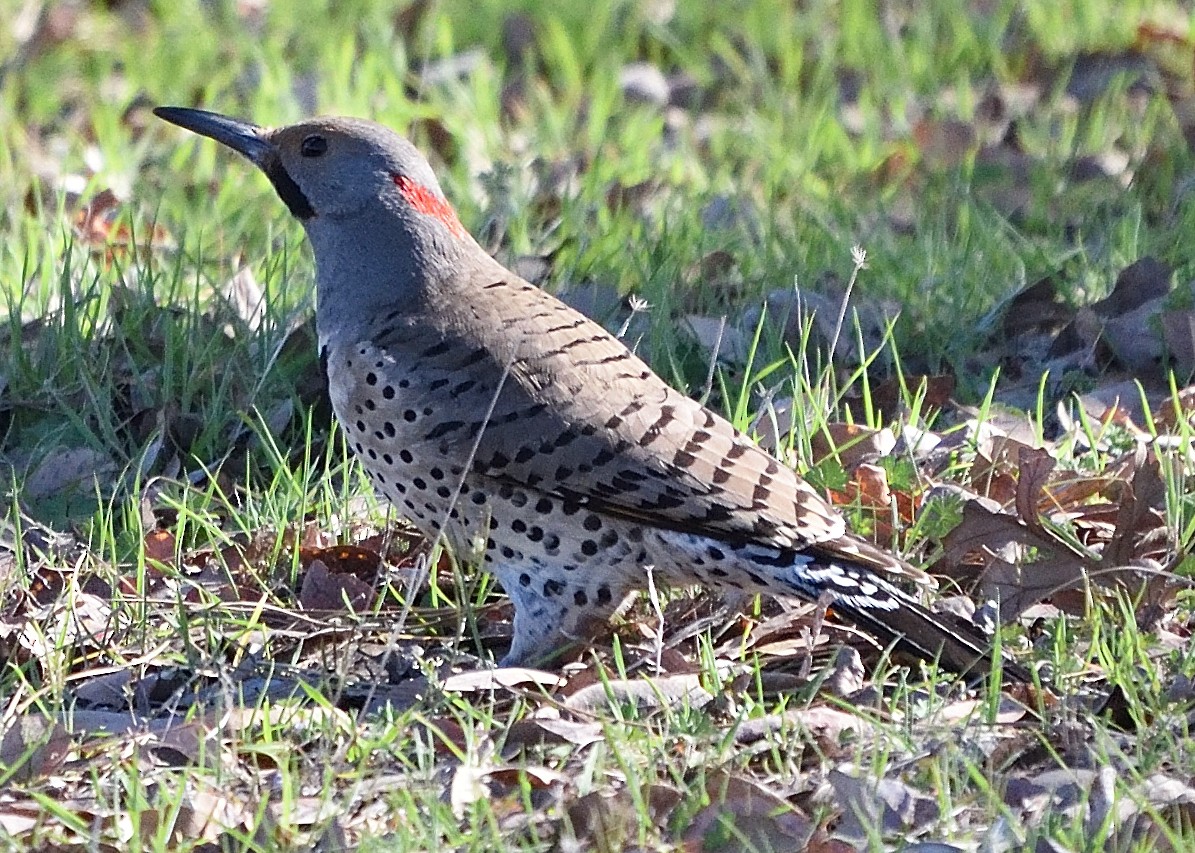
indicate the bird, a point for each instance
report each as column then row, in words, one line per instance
column 530, row 439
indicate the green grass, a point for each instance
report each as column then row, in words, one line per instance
column 180, row 415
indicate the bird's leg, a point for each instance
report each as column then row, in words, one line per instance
column 552, row 614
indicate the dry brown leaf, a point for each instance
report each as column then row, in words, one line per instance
column 991, row 480
column 324, row 590
column 1172, row 409
column 887, row 806
column 1014, row 586
column 645, row 694
column 18, row 817
column 69, row 469
column 205, row 815
column 852, row 444
column 1142, row 512
column 609, row 821
column 539, row 731
column 33, row 746
column 160, row 549
column 824, row 723
column 1037, row 308
column 888, row 395
column 746, row 812
column 1034, row 467
column 718, row 338
column 1178, row 334
column 500, row 679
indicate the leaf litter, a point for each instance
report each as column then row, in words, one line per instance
column 290, row 631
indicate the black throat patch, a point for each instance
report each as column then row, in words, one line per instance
column 287, row 189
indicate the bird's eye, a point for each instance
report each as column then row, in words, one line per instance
column 313, row 146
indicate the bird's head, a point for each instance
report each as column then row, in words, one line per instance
column 329, row 169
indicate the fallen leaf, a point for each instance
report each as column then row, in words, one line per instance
column 500, row 678
column 744, row 815
column 888, row 807
column 644, row 694
column 326, row 591
column 33, row 746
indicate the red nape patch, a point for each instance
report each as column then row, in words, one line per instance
column 427, row 202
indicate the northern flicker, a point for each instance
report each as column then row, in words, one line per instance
column 530, row 438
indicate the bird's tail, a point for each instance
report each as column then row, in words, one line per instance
column 899, row 621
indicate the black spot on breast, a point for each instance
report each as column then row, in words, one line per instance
column 443, row 428
column 580, row 598
column 717, row 512
column 667, row 502
column 565, row 438
column 439, row 349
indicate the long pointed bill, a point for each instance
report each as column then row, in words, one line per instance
column 247, row 139
column 240, row 136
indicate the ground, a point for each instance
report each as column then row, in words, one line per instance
column 934, row 255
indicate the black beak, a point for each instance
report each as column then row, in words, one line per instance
column 240, row 136
column 247, row 139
